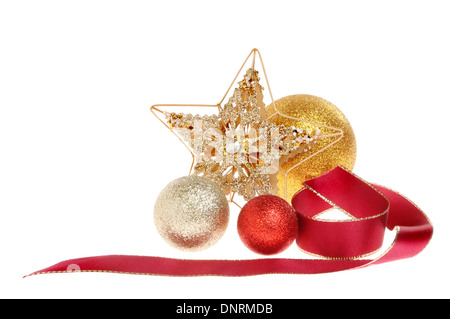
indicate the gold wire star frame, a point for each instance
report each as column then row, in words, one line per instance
column 240, row 148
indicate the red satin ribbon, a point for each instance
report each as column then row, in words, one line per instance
column 363, row 234
column 372, row 208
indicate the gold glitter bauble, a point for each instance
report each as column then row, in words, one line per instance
column 335, row 146
column 191, row 213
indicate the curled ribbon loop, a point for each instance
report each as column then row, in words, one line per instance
column 357, row 237
column 372, row 209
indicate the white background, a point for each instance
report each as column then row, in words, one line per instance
column 82, row 159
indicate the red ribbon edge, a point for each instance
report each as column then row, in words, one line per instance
column 413, row 233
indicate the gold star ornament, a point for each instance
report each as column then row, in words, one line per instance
column 239, row 148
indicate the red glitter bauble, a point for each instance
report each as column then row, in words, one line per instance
column 267, row 224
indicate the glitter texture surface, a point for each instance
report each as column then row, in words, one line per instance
column 267, row 224
column 191, row 213
column 332, row 150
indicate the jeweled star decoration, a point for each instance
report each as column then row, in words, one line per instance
column 238, row 148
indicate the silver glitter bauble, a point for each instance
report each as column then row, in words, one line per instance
column 191, row 213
